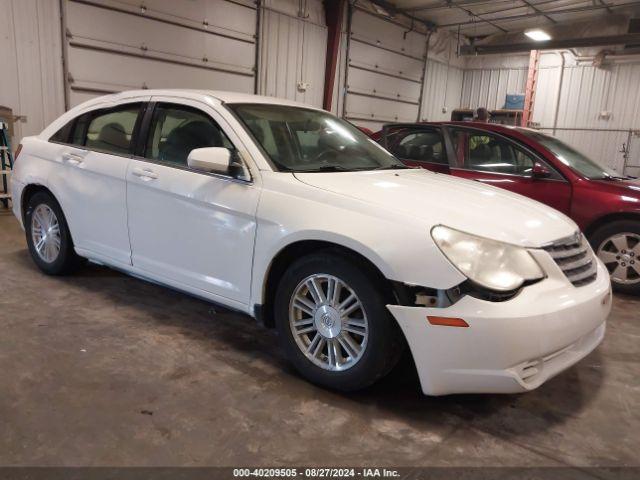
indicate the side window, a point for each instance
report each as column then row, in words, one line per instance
column 176, row 130
column 418, row 146
column 80, row 129
column 490, row 153
column 62, row 135
column 109, row 130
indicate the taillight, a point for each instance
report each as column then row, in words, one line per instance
column 18, row 150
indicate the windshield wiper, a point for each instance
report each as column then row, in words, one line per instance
column 394, row 166
column 330, row 168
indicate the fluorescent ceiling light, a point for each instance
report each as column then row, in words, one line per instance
column 381, row 11
column 538, row 35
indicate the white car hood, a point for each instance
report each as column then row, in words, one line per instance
column 442, row 199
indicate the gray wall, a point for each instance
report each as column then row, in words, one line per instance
column 115, row 45
column 31, row 80
column 212, row 44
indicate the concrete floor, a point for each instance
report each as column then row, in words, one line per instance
column 103, row 369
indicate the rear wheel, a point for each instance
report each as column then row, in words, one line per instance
column 48, row 236
column 333, row 323
column 618, row 246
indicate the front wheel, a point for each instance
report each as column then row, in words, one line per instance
column 333, row 323
column 618, row 246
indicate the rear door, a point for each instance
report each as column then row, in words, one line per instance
column 94, row 156
column 497, row 160
column 417, row 146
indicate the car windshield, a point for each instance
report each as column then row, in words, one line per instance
column 571, row 157
column 304, row 140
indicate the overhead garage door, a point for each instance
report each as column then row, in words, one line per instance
column 385, row 67
column 128, row 44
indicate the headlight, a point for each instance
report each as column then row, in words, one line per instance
column 494, row 265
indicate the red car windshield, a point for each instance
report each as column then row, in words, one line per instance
column 571, row 157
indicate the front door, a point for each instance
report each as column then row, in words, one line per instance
column 498, row 161
column 190, row 228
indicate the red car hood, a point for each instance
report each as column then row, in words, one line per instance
column 630, row 188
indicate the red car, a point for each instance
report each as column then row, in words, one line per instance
column 605, row 205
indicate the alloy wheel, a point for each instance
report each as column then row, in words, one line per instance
column 621, row 255
column 328, row 322
column 45, row 233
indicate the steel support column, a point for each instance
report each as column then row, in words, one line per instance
column 334, row 12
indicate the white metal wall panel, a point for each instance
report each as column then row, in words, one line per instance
column 378, row 111
column 116, row 45
column 601, row 146
column 384, row 61
column 442, row 91
column 546, row 96
column 385, row 64
column 597, row 107
column 392, row 88
column 633, row 162
column 99, row 72
column 31, row 81
column 587, row 91
column 488, row 88
column 309, row 10
column 292, row 56
column 235, row 18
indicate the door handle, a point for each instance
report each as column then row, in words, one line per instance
column 72, row 158
column 144, row 173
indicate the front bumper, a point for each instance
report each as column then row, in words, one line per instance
column 512, row 346
column 16, row 194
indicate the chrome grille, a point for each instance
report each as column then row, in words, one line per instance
column 575, row 258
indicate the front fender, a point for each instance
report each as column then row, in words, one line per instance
column 399, row 246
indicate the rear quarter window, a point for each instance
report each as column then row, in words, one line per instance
column 63, row 135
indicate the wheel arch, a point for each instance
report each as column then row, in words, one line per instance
column 610, row 218
column 291, row 252
column 29, row 191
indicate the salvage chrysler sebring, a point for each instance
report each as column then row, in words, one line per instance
column 295, row 217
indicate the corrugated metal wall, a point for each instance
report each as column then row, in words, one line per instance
column 597, row 109
column 488, row 87
column 293, row 46
column 442, row 91
column 31, row 80
column 385, row 65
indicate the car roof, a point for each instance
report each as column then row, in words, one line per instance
column 217, row 95
column 495, row 127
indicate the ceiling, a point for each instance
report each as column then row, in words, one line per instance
column 479, row 18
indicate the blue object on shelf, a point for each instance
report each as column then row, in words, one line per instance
column 514, row 102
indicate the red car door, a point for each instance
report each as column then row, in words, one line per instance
column 497, row 160
column 417, row 146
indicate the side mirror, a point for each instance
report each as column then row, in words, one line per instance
column 540, row 171
column 210, row 159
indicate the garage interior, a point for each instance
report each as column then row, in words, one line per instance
column 101, row 369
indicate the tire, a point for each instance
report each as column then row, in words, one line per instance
column 378, row 344
column 55, row 261
column 617, row 244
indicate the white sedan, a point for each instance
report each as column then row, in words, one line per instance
column 293, row 216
